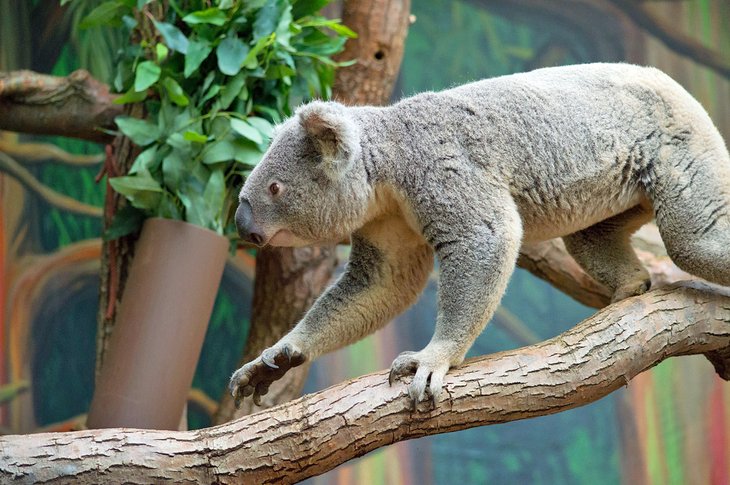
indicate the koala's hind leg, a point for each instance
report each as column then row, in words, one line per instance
column 604, row 251
column 692, row 207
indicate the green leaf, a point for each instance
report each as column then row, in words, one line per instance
column 180, row 144
column 175, row 168
column 174, row 38
column 221, row 151
column 234, row 87
column 144, row 160
column 214, row 16
column 146, row 74
column 198, row 51
column 262, row 125
column 131, row 184
column 246, row 153
column 195, row 137
column 141, row 132
column 245, row 129
column 175, row 91
column 170, row 207
column 279, row 71
column 267, row 18
column 162, row 52
column 214, row 191
column 231, row 53
column 142, row 191
column 127, row 220
column 332, row 24
column 302, row 8
column 214, row 89
column 225, row 4
column 283, row 32
column 131, row 96
column 107, row 13
column 250, row 62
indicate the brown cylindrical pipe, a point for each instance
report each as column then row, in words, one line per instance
column 163, row 316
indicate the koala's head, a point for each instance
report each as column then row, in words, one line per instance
column 309, row 187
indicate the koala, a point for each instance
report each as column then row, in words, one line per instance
column 588, row 153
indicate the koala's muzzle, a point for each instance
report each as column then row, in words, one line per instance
column 247, row 228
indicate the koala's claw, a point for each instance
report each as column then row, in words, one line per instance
column 429, row 375
column 255, row 377
column 268, row 359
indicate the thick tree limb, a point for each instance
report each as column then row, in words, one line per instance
column 76, row 106
column 314, row 434
column 550, row 261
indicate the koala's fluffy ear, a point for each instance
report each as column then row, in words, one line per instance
column 336, row 136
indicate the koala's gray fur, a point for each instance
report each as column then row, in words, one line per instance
column 588, row 152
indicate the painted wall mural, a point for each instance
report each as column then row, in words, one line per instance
column 670, row 425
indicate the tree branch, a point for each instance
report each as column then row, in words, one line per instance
column 76, row 106
column 550, row 261
column 314, row 434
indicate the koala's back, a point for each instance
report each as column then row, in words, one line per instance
column 575, row 144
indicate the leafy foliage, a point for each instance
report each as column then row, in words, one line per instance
column 214, row 79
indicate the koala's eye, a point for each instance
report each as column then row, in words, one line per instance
column 274, row 188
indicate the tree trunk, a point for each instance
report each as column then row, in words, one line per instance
column 116, row 255
column 289, row 280
column 316, row 433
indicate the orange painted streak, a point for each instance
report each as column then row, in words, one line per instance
column 23, row 297
column 717, row 438
column 638, row 389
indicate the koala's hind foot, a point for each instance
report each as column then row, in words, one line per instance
column 637, row 287
column 604, row 251
column 255, row 377
column 429, row 365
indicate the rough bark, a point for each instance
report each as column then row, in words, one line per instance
column 381, row 26
column 293, row 278
column 550, row 261
column 116, row 255
column 76, row 106
column 314, row 434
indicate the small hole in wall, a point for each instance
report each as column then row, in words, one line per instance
column 379, row 55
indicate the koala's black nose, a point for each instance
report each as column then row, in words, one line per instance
column 247, row 228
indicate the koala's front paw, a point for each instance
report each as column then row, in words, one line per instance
column 634, row 288
column 430, row 366
column 256, row 376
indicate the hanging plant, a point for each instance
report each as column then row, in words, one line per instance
column 214, row 78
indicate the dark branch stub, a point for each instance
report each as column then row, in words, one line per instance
column 720, row 360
